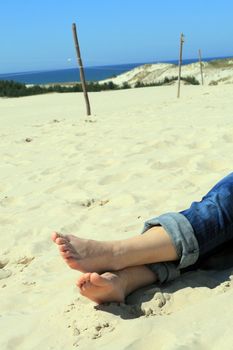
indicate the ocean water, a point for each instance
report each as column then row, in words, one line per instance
column 68, row 75
column 72, row 74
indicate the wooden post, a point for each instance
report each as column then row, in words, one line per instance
column 180, row 62
column 82, row 76
column 202, row 80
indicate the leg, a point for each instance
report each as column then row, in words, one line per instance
column 185, row 236
column 199, row 231
column 99, row 256
column 114, row 286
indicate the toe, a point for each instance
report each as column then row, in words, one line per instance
column 67, row 254
column 97, row 280
column 79, row 283
column 54, row 236
column 87, row 276
column 63, row 248
column 84, row 278
column 60, row 240
column 85, row 286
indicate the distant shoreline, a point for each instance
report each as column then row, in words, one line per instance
column 96, row 73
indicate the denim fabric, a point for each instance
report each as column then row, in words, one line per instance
column 197, row 231
column 181, row 234
column 212, row 217
column 183, row 238
column 165, row 271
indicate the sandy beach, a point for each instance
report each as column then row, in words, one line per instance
column 142, row 153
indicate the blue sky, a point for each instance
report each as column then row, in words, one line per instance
column 36, row 35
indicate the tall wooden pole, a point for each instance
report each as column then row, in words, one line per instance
column 202, row 80
column 180, row 62
column 82, row 76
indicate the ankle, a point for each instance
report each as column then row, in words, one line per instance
column 118, row 255
column 123, row 279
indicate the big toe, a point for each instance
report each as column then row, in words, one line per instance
column 58, row 238
column 83, row 279
column 98, row 280
column 54, row 236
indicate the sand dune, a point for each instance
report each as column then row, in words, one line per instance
column 214, row 72
column 142, row 153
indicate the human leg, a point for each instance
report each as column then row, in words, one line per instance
column 181, row 237
column 100, row 256
column 198, row 232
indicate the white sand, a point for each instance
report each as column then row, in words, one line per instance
column 142, row 153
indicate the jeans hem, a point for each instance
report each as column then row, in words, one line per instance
column 182, row 235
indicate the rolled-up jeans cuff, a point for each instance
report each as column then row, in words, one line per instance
column 165, row 271
column 182, row 235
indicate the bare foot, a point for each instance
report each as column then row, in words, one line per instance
column 108, row 287
column 87, row 255
column 114, row 287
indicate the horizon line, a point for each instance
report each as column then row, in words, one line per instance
column 113, row 64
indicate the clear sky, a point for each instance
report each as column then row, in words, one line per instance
column 36, row 34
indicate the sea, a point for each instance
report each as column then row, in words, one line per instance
column 91, row 73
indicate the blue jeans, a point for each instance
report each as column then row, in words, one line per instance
column 198, row 231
